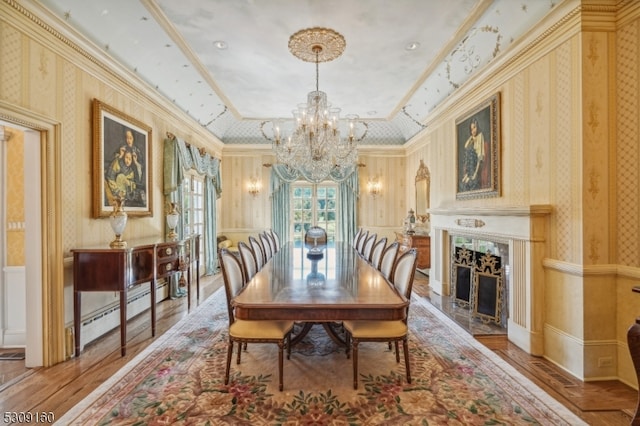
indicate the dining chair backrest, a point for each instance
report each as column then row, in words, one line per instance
column 232, row 276
column 248, row 258
column 376, row 252
column 368, row 246
column 315, row 236
column 257, row 251
column 356, row 238
column 264, row 239
column 276, row 240
column 388, row 259
column 404, row 272
column 363, row 239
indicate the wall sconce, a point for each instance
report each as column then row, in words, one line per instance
column 374, row 187
column 254, row 187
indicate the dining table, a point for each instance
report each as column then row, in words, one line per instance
column 319, row 284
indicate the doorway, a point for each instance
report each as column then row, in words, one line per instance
column 314, row 204
column 20, row 248
column 21, row 243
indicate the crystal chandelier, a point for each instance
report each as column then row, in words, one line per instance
column 320, row 143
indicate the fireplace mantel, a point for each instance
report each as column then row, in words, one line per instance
column 524, row 229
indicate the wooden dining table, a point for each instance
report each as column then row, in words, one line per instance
column 319, row 284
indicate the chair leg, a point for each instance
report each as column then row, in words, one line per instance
column 289, row 345
column 407, row 366
column 347, row 340
column 280, row 364
column 354, row 348
column 397, row 352
column 239, row 352
column 229, row 355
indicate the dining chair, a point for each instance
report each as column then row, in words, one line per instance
column 264, row 241
column 389, row 259
column 243, row 331
column 368, row 246
column 361, row 241
column 258, row 251
column 376, row 252
column 248, row 258
column 358, row 331
column 272, row 243
column 315, row 236
column 356, row 238
column 276, row 240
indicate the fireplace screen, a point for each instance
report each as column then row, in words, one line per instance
column 462, row 267
column 478, row 284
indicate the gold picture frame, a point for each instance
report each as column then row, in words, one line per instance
column 478, row 151
column 122, row 163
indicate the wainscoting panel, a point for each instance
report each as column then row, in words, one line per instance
column 14, row 307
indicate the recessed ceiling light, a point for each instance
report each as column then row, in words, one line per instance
column 105, row 12
column 412, row 46
column 372, row 113
column 220, row 44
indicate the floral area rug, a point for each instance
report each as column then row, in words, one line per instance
column 178, row 380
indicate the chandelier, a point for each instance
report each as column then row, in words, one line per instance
column 320, row 143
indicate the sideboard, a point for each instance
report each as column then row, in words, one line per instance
column 422, row 243
column 118, row 270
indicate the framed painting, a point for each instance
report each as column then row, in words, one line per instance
column 121, row 162
column 478, row 151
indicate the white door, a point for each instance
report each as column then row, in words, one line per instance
column 314, row 204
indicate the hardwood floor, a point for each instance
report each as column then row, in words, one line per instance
column 59, row 388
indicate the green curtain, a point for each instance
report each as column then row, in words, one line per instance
column 180, row 157
column 281, row 178
column 212, row 191
column 348, row 192
column 280, row 204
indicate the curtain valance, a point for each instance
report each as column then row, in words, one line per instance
column 180, row 157
column 289, row 174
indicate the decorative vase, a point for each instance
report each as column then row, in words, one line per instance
column 172, row 220
column 118, row 221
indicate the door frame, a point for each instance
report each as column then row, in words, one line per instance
column 45, row 272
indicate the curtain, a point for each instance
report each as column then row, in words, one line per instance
column 212, row 191
column 348, row 195
column 180, row 157
column 280, row 203
column 281, row 178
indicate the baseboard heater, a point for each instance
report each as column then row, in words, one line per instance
column 107, row 319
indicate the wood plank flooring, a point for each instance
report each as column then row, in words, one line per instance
column 59, row 388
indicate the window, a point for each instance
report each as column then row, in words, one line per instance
column 193, row 207
column 314, row 204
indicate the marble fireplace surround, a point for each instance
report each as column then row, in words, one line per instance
column 525, row 230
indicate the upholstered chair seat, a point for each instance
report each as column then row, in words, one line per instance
column 242, row 331
column 386, row 331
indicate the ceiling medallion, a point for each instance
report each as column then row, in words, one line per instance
column 317, row 44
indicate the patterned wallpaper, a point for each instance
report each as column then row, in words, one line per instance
column 14, row 225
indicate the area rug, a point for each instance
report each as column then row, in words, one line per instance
column 178, row 380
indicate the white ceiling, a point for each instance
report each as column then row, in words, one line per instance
column 171, row 45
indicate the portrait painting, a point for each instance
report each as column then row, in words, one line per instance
column 121, row 162
column 478, row 151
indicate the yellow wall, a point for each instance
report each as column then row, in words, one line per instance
column 15, row 197
column 52, row 79
column 569, row 125
column 569, row 139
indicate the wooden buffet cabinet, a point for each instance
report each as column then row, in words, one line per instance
column 420, row 242
column 118, row 270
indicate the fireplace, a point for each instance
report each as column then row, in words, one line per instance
column 479, row 278
column 520, row 233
